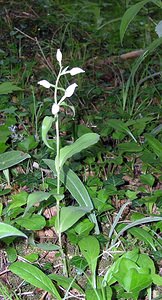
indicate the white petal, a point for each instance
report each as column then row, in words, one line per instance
column 45, row 83
column 55, row 108
column 75, row 71
column 70, row 90
column 59, row 56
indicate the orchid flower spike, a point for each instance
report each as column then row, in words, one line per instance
column 45, row 84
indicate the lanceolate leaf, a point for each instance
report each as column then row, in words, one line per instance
column 80, row 144
column 46, row 126
column 34, row 276
column 36, row 197
column 12, row 158
column 7, row 230
column 76, row 188
column 129, row 16
column 69, row 216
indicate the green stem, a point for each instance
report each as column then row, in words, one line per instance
column 65, row 271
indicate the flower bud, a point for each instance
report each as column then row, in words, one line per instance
column 70, row 90
column 59, row 56
column 45, row 83
column 55, row 108
column 75, row 71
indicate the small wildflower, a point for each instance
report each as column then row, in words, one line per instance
column 59, row 56
column 55, row 108
column 45, row 84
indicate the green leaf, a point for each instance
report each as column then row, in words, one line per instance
column 131, row 277
column 34, row 222
column 65, row 282
column 69, row 216
column 143, row 236
column 8, row 230
column 8, row 88
column 135, row 223
column 155, row 145
column 147, row 179
column 129, row 16
column 76, row 188
column 35, row 277
column 11, row 158
column 36, row 197
column 28, row 143
column 120, row 126
column 129, row 147
column 11, row 254
column 46, row 126
column 18, row 200
column 90, row 249
column 80, row 144
column 157, row 279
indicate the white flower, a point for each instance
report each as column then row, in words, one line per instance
column 55, row 108
column 75, row 71
column 45, row 83
column 59, row 56
column 70, row 90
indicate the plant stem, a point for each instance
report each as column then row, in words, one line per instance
column 65, row 271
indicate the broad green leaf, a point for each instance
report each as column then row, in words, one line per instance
column 34, row 276
column 129, row 16
column 143, row 236
column 18, row 200
column 7, row 230
column 29, row 143
column 129, row 147
column 155, row 145
column 34, row 222
column 147, row 179
column 90, row 249
column 46, row 126
column 12, row 158
column 120, row 126
column 80, row 144
column 84, row 227
column 69, row 216
column 11, row 254
column 145, row 261
column 36, row 197
column 131, row 277
column 76, row 188
column 157, row 279
column 47, row 246
column 65, row 282
column 8, row 88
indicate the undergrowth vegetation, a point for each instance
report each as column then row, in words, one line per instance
column 81, row 150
